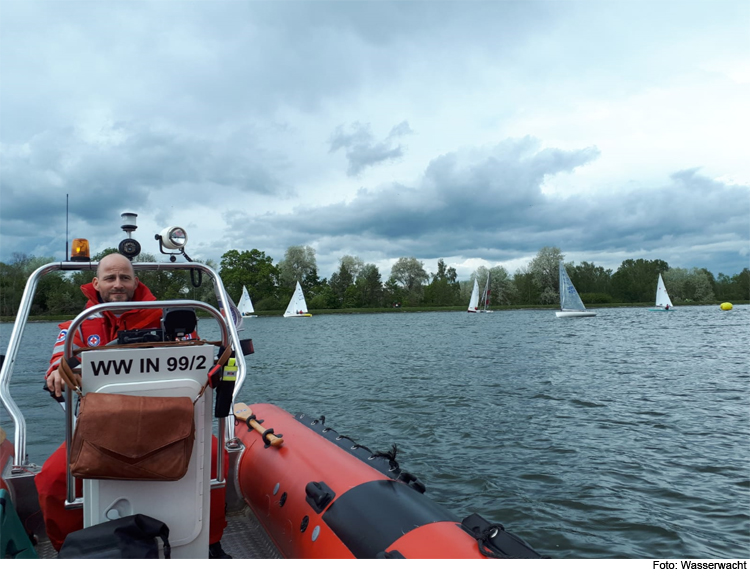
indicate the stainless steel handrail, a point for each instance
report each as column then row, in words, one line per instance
column 19, row 423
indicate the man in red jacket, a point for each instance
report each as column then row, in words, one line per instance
column 115, row 281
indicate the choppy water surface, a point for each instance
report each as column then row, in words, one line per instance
column 621, row 436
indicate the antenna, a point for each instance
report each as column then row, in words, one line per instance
column 66, row 227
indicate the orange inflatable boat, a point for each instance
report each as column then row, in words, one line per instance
column 318, row 494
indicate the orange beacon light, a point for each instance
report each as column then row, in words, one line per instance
column 80, row 250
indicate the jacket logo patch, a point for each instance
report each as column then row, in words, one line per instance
column 63, row 335
column 93, row 340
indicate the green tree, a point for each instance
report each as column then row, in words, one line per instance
column 685, row 286
column 410, row 274
column 503, row 290
column 298, row 263
column 742, row 280
column 444, row 289
column 393, row 293
column 340, row 282
column 589, row 278
column 13, row 278
column 311, row 281
column 736, row 287
column 545, row 270
column 252, row 269
column 370, row 286
column 354, row 265
column 635, row 280
column 527, row 291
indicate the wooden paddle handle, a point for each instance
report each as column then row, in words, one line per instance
column 244, row 413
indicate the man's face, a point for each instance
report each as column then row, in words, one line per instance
column 115, row 280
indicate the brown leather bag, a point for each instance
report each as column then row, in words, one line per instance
column 129, row 437
column 132, row 437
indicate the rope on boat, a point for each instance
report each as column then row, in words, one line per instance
column 484, row 537
column 394, row 470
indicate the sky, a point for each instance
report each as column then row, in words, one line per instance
column 475, row 132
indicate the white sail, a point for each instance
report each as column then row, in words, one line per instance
column 297, row 305
column 662, row 297
column 246, row 305
column 570, row 301
column 474, row 301
column 485, row 301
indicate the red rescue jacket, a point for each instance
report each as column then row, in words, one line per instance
column 102, row 328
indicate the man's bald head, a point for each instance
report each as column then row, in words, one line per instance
column 113, row 258
column 115, row 279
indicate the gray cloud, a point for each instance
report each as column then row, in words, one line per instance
column 490, row 204
column 221, row 113
column 125, row 166
column 362, row 150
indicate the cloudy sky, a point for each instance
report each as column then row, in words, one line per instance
column 476, row 132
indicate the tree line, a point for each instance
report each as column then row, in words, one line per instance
column 356, row 284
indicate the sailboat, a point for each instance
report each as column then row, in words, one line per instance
column 663, row 302
column 571, row 305
column 485, row 301
column 474, row 301
column 297, row 306
column 246, row 305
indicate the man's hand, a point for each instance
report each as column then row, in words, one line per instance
column 55, row 383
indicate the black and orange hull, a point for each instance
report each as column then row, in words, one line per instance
column 320, row 495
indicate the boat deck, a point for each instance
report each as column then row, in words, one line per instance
column 243, row 538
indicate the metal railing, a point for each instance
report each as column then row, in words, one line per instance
column 229, row 335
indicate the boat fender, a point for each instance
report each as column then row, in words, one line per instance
column 319, row 495
column 494, row 541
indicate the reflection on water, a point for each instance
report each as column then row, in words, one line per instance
column 625, row 435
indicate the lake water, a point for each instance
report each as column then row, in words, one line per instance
column 626, row 435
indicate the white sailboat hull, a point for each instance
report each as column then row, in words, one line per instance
column 574, row 314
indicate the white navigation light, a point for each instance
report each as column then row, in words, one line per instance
column 128, row 221
column 173, row 237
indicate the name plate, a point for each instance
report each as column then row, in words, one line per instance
column 152, row 364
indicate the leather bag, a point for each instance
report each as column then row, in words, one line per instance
column 132, row 438
column 129, row 437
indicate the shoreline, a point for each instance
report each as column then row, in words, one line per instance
column 278, row 313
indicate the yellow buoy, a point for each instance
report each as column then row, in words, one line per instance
column 726, row 306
